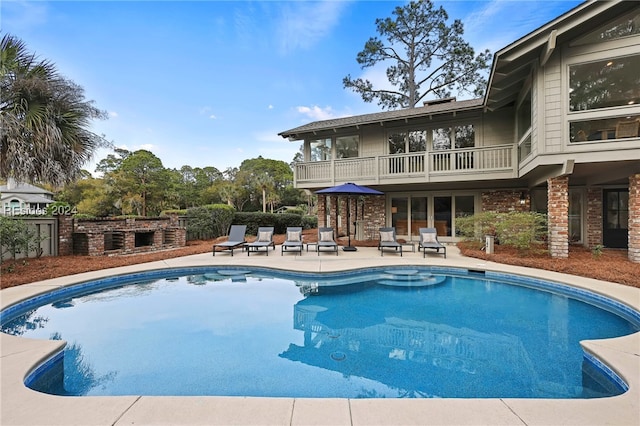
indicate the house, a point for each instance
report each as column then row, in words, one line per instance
column 23, row 198
column 557, row 132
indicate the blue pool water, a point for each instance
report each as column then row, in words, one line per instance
column 385, row 332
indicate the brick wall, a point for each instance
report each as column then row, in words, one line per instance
column 558, row 216
column 322, row 209
column 89, row 235
column 503, row 201
column 371, row 212
column 594, row 217
column 65, row 235
column 634, row 218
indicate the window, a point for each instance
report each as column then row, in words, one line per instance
column 417, row 141
column 441, row 138
column 347, row 146
column 397, row 142
column 606, row 83
column 320, row 149
column 523, row 126
column 624, row 26
column 465, row 136
column 575, row 216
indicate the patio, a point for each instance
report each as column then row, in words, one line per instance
column 22, row 406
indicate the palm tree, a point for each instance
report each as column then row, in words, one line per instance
column 44, row 119
column 264, row 181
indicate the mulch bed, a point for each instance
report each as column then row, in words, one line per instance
column 612, row 265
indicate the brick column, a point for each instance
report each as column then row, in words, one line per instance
column 333, row 216
column 594, row 217
column 634, row 218
column 343, row 216
column 558, row 216
column 65, row 235
column 322, row 210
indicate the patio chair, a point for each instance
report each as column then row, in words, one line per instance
column 293, row 240
column 429, row 240
column 264, row 240
column 236, row 239
column 326, row 240
column 388, row 240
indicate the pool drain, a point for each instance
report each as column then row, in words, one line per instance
column 338, row 356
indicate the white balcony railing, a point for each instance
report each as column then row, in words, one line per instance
column 387, row 168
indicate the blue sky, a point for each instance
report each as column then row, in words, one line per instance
column 211, row 83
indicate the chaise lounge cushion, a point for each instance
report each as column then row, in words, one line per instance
column 326, row 236
column 386, row 236
column 264, row 237
column 293, row 236
column 429, row 237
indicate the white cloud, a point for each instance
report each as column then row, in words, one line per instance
column 303, row 24
column 113, row 114
column 316, row 113
column 270, row 107
column 213, row 117
column 24, row 15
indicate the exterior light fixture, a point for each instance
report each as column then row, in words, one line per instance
column 523, row 198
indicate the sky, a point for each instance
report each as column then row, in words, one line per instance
column 212, row 83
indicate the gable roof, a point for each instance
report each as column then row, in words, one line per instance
column 432, row 108
column 513, row 64
column 22, row 188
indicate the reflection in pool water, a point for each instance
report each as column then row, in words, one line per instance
column 374, row 333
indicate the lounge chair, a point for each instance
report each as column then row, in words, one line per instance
column 429, row 240
column 293, row 240
column 326, row 240
column 264, row 240
column 236, row 239
column 388, row 240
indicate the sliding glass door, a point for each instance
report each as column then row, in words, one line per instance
column 411, row 212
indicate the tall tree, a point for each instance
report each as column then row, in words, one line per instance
column 45, row 119
column 143, row 179
column 428, row 57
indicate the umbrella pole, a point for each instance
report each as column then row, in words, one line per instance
column 349, row 247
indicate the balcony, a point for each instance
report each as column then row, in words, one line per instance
column 495, row 162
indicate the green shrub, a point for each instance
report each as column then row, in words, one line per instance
column 477, row 226
column 16, row 236
column 210, row 221
column 525, row 231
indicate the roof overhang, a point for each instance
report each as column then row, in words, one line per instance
column 513, row 65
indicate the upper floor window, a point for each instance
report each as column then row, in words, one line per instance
column 454, row 137
column 403, row 142
column 625, row 26
column 347, row 146
column 606, row 83
column 320, row 149
column 523, row 126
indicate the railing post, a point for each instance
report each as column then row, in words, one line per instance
column 333, row 172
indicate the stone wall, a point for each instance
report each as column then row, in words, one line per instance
column 634, row 218
column 594, row 217
column 371, row 214
column 558, row 216
column 503, row 201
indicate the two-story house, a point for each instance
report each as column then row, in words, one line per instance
column 557, row 132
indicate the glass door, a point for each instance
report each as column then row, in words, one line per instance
column 442, row 211
column 418, row 214
column 616, row 218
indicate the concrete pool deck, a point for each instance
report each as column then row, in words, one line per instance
column 22, row 406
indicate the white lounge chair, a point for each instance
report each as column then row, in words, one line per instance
column 293, row 240
column 326, row 240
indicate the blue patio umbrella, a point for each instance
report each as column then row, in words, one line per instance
column 349, row 189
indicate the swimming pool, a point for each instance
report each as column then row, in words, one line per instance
column 416, row 338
